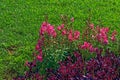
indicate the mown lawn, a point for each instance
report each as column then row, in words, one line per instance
column 20, row 21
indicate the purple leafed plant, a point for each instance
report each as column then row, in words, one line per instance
column 100, row 68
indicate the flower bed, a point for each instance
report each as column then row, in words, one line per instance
column 63, row 53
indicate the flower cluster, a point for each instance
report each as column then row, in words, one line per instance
column 71, row 35
column 47, row 28
column 88, row 46
column 102, row 35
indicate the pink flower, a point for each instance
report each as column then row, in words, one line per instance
column 64, row 32
column 105, row 41
column 85, row 45
column 76, row 35
column 104, row 30
column 39, row 57
column 50, row 29
column 113, row 38
column 113, row 35
column 39, row 44
column 43, row 28
column 37, row 47
column 62, row 26
column 91, row 49
column 102, row 35
column 59, row 28
column 54, row 34
column 70, row 36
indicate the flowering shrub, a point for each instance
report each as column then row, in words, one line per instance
column 55, row 43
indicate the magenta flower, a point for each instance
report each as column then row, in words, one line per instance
column 39, row 57
column 43, row 28
column 91, row 49
column 113, row 35
column 62, row 26
column 86, row 45
column 113, row 38
column 105, row 41
column 37, row 47
column 76, row 35
column 104, row 30
column 102, row 35
column 70, row 36
column 54, row 34
column 59, row 28
column 64, row 32
column 50, row 29
column 39, row 44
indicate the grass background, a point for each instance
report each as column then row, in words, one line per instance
column 20, row 21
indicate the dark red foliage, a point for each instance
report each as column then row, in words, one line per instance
column 100, row 68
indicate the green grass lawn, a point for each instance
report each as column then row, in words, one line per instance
column 20, row 21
